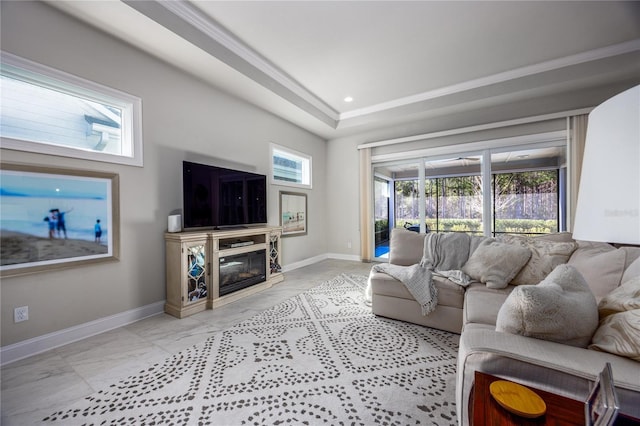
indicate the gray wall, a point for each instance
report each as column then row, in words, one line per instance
column 343, row 159
column 183, row 118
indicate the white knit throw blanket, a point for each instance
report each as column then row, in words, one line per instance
column 444, row 255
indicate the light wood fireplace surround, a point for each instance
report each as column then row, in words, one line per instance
column 207, row 269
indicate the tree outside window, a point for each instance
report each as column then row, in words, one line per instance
column 523, row 202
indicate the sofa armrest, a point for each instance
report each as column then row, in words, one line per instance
column 565, row 370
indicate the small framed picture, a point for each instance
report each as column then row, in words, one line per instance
column 601, row 407
column 293, row 213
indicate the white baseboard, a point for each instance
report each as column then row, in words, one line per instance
column 305, row 262
column 320, row 258
column 36, row 345
column 353, row 257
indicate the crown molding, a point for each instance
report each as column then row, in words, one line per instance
column 214, row 30
column 188, row 22
column 554, row 64
column 184, row 18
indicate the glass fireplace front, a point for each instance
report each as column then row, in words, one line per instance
column 242, row 270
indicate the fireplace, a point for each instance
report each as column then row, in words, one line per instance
column 242, row 270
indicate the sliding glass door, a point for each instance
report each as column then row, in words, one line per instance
column 453, row 195
column 524, row 193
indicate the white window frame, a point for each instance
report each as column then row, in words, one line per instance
column 307, row 171
column 44, row 76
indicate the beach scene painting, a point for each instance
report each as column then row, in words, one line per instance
column 293, row 213
column 51, row 217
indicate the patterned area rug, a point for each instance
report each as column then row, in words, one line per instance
column 321, row 357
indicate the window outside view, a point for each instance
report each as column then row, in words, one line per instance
column 286, row 169
column 34, row 113
column 523, row 202
column 48, row 111
column 290, row 167
column 526, row 202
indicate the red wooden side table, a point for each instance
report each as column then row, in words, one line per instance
column 561, row 411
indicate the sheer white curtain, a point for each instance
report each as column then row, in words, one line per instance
column 577, row 136
column 366, row 205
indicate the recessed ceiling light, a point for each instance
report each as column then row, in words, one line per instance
column 348, row 99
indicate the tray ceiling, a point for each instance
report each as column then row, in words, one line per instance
column 402, row 62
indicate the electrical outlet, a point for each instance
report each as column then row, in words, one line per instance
column 349, row 244
column 21, row 314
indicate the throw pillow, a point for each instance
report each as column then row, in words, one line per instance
column 561, row 308
column 624, row 298
column 600, row 264
column 406, row 247
column 619, row 329
column 631, row 255
column 545, row 256
column 495, row 264
column 619, row 334
column 631, row 272
column 558, row 237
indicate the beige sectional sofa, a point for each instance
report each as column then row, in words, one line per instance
column 473, row 311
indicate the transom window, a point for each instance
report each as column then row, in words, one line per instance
column 289, row 167
column 52, row 112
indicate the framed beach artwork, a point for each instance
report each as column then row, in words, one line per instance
column 53, row 218
column 293, row 213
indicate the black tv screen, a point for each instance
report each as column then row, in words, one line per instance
column 218, row 197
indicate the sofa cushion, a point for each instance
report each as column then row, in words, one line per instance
column 600, row 264
column 495, row 264
column 546, row 254
column 619, row 329
column 449, row 293
column 481, row 304
column 561, row 309
column 405, row 247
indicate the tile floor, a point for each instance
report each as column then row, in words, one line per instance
column 37, row 386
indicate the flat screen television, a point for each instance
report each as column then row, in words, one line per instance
column 215, row 197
